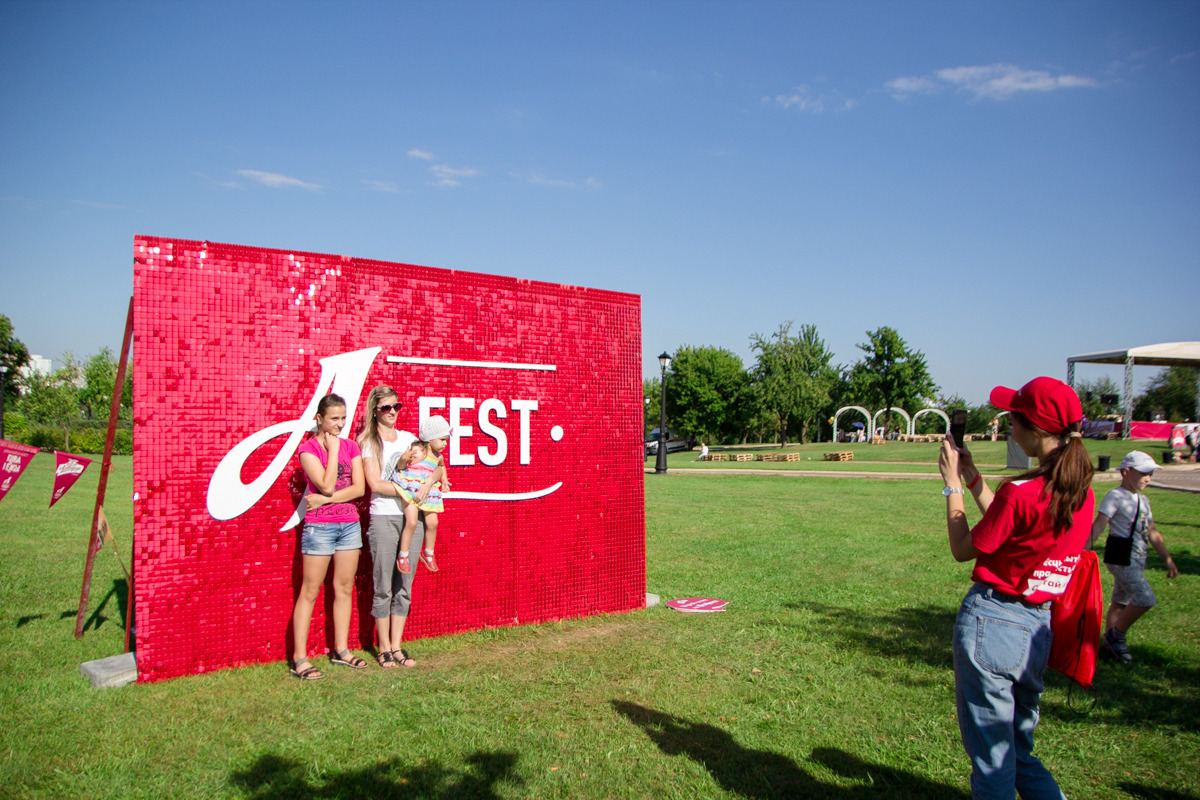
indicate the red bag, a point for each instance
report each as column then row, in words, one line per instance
column 1075, row 619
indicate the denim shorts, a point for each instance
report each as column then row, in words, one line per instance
column 324, row 538
column 1130, row 587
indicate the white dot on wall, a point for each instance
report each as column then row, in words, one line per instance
column 556, row 433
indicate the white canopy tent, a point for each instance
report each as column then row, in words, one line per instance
column 1168, row 354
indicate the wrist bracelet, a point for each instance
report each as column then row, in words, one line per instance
column 975, row 480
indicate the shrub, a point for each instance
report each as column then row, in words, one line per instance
column 46, row 438
column 16, row 427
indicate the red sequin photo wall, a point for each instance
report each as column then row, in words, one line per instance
column 234, row 346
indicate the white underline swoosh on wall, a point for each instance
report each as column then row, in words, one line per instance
column 450, row 362
column 501, row 495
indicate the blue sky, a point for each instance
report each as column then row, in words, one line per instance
column 1006, row 184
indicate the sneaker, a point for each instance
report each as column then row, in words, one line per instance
column 403, row 565
column 429, row 561
column 1115, row 644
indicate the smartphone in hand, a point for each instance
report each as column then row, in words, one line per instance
column 958, row 427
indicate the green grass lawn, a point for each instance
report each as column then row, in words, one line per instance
column 828, row 677
column 887, row 457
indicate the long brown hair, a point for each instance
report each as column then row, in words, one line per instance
column 369, row 435
column 1067, row 470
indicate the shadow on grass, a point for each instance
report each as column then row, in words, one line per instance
column 1185, row 562
column 761, row 773
column 1154, row 793
column 920, row 635
column 1155, row 690
column 119, row 590
column 276, row 778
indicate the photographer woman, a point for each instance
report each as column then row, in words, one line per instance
column 1033, row 529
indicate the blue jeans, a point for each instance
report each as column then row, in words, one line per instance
column 324, row 538
column 1001, row 647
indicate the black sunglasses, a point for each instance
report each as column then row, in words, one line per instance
column 389, row 408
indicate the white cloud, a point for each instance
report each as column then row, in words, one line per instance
column 222, row 184
column 381, row 186
column 445, row 175
column 1183, row 57
column 424, row 155
column 277, row 181
column 992, row 81
column 802, row 99
column 902, row 87
column 537, row 179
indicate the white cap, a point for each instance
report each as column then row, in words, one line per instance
column 1139, row 461
column 434, row 428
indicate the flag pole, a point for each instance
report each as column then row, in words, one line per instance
column 105, row 466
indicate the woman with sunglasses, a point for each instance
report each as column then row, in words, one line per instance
column 382, row 445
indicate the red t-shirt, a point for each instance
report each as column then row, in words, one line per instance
column 1019, row 553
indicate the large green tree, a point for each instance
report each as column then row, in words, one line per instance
column 705, row 390
column 891, row 374
column 54, row 399
column 13, row 356
column 1090, row 394
column 1172, row 392
column 793, row 377
column 99, row 375
column 651, row 403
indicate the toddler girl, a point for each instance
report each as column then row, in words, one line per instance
column 420, row 491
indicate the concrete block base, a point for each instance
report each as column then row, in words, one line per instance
column 113, row 671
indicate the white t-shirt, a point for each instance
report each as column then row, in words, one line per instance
column 387, row 505
column 1121, row 506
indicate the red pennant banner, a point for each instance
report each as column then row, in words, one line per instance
column 66, row 473
column 13, row 460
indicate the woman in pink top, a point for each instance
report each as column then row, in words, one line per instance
column 334, row 472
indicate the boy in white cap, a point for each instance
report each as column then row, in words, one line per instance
column 1126, row 512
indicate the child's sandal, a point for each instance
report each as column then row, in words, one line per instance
column 428, row 560
column 403, row 565
column 309, row 674
column 347, row 659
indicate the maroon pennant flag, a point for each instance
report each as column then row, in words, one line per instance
column 66, row 473
column 13, row 460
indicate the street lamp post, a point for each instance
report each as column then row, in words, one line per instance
column 660, row 464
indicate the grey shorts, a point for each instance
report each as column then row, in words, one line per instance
column 1131, row 587
column 393, row 590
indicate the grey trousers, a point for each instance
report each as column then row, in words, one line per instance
column 393, row 589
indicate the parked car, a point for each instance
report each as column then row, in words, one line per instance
column 675, row 442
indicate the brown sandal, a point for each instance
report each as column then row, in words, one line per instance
column 310, row 674
column 347, row 659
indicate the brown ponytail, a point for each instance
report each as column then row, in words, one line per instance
column 1068, row 473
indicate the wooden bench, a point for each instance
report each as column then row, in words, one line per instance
column 843, row 456
column 741, row 456
column 716, row 457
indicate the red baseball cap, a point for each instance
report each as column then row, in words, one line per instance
column 1046, row 402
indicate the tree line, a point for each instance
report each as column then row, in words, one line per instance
column 67, row 408
column 787, row 395
column 794, row 388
